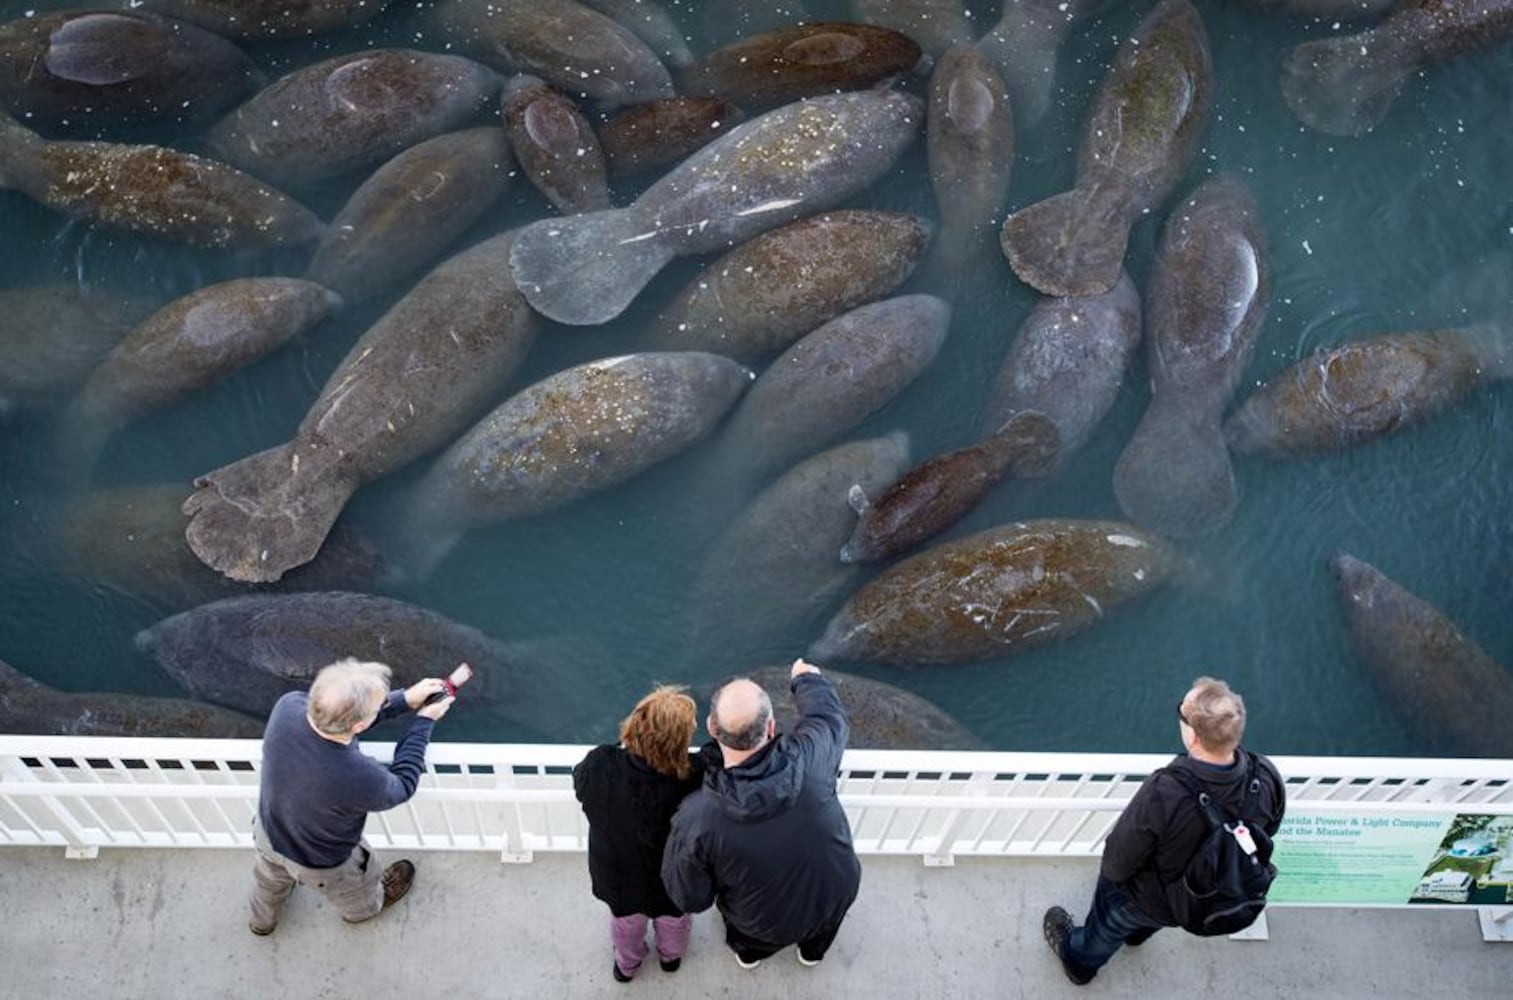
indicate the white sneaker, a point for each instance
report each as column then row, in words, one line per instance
column 745, row 964
column 806, row 962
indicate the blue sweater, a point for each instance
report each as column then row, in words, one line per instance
column 315, row 794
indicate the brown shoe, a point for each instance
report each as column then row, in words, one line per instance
column 397, row 879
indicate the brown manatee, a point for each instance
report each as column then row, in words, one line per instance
column 262, row 19
column 111, row 70
column 555, row 145
column 412, row 208
column 970, row 145
column 800, row 60
column 881, row 716
column 1457, row 697
column 772, row 572
column 997, row 592
column 1344, row 85
column 935, row 25
column 420, row 374
column 652, row 23
column 780, row 166
column 1068, row 362
column 660, row 133
column 1141, row 133
column 573, row 433
column 1205, row 300
column 31, row 708
column 567, row 44
column 51, row 336
column 152, row 190
column 1354, row 393
column 1024, row 45
column 349, row 112
column 773, row 289
column 191, row 343
column 940, row 491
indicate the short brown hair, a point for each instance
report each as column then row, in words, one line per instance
column 1217, row 714
column 660, row 728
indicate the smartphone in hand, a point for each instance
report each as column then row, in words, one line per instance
column 456, row 679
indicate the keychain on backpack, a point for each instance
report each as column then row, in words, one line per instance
column 1242, row 836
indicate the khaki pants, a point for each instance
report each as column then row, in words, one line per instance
column 354, row 887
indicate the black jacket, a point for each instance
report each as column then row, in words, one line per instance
column 768, row 839
column 1159, row 830
column 629, row 807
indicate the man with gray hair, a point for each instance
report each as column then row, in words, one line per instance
column 765, row 838
column 1149, row 847
column 317, row 788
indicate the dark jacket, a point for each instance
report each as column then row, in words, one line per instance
column 629, row 808
column 768, row 839
column 1159, row 830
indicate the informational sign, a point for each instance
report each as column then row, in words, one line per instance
column 1373, row 859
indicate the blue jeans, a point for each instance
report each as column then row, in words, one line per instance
column 1113, row 919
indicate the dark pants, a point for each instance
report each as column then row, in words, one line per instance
column 751, row 950
column 1113, row 921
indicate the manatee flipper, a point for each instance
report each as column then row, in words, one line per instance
column 255, row 519
column 587, row 268
column 1069, row 244
column 1175, row 477
column 856, row 498
column 1344, row 86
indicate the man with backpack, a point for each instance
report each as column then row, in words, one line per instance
column 1193, row 847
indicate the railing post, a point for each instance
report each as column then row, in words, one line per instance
column 943, row 856
column 1496, row 922
column 80, row 847
column 514, row 851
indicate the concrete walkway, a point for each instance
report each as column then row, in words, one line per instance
column 171, row 925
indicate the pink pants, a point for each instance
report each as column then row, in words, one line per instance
column 628, row 935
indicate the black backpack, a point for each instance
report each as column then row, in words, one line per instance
column 1223, row 888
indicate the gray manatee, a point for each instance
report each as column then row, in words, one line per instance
column 573, row 433
column 970, row 146
column 1205, row 300
column 1357, row 392
column 997, row 592
column 791, row 162
column 1068, row 362
column 406, row 215
column 52, row 336
column 731, row 20
column 31, row 708
column 263, row 19
column 652, row 23
column 1142, row 131
column 421, row 374
column 881, row 716
column 935, row 25
column 555, row 144
column 1024, row 45
column 1456, row 695
column 1344, row 85
column 351, row 111
column 153, row 190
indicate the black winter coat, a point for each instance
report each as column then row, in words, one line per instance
column 1156, row 835
column 768, row 839
column 629, row 807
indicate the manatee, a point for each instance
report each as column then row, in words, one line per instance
column 881, row 716
column 800, row 60
column 1147, row 118
column 112, row 70
column 935, row 25
column 970, row 143
column 555, row 144
column 192, row 342
column 31, row 708
column 660, row 133
column 788, row 163
column 652, row 23
column 413, row 207
column 152, row 190
column 1344, row 85
column 1068, row 362
column 263, row 19
column 1354, row 393
column 349, row 112
column 732, row 20
column 1205, row 300
column 52, row 336
column 418, row 376
column 1346, row 9
column 567, row 44
column 772, row 572
column 130, row 539
column 936, row 494
column 773, row 289
column 1456, row 696
column 997, row 592
column 829, row 382
column 573, row 433
column 1024, row 44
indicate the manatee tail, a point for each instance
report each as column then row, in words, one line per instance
column 1175, row 477
column 255, row 519
column 1345, row 85
column 586, row 269
column 1069, row 244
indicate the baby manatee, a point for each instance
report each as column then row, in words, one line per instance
column 882, row 716
column 555, row 145
column 970, row 146
column 660, row 133
column 263, row 19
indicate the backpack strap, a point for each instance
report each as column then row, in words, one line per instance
column 1205, row 800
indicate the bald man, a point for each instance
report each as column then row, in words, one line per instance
column 765, row 838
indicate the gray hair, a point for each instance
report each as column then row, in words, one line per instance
column 342, row 694
column 1217, row 714
column 748, row 736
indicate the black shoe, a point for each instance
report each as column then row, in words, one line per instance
column 620, row 977
column 397, row 879
column 1056, row 926
column 1141, row 936
column 670, row 964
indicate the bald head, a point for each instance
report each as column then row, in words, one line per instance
column 740, row 714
